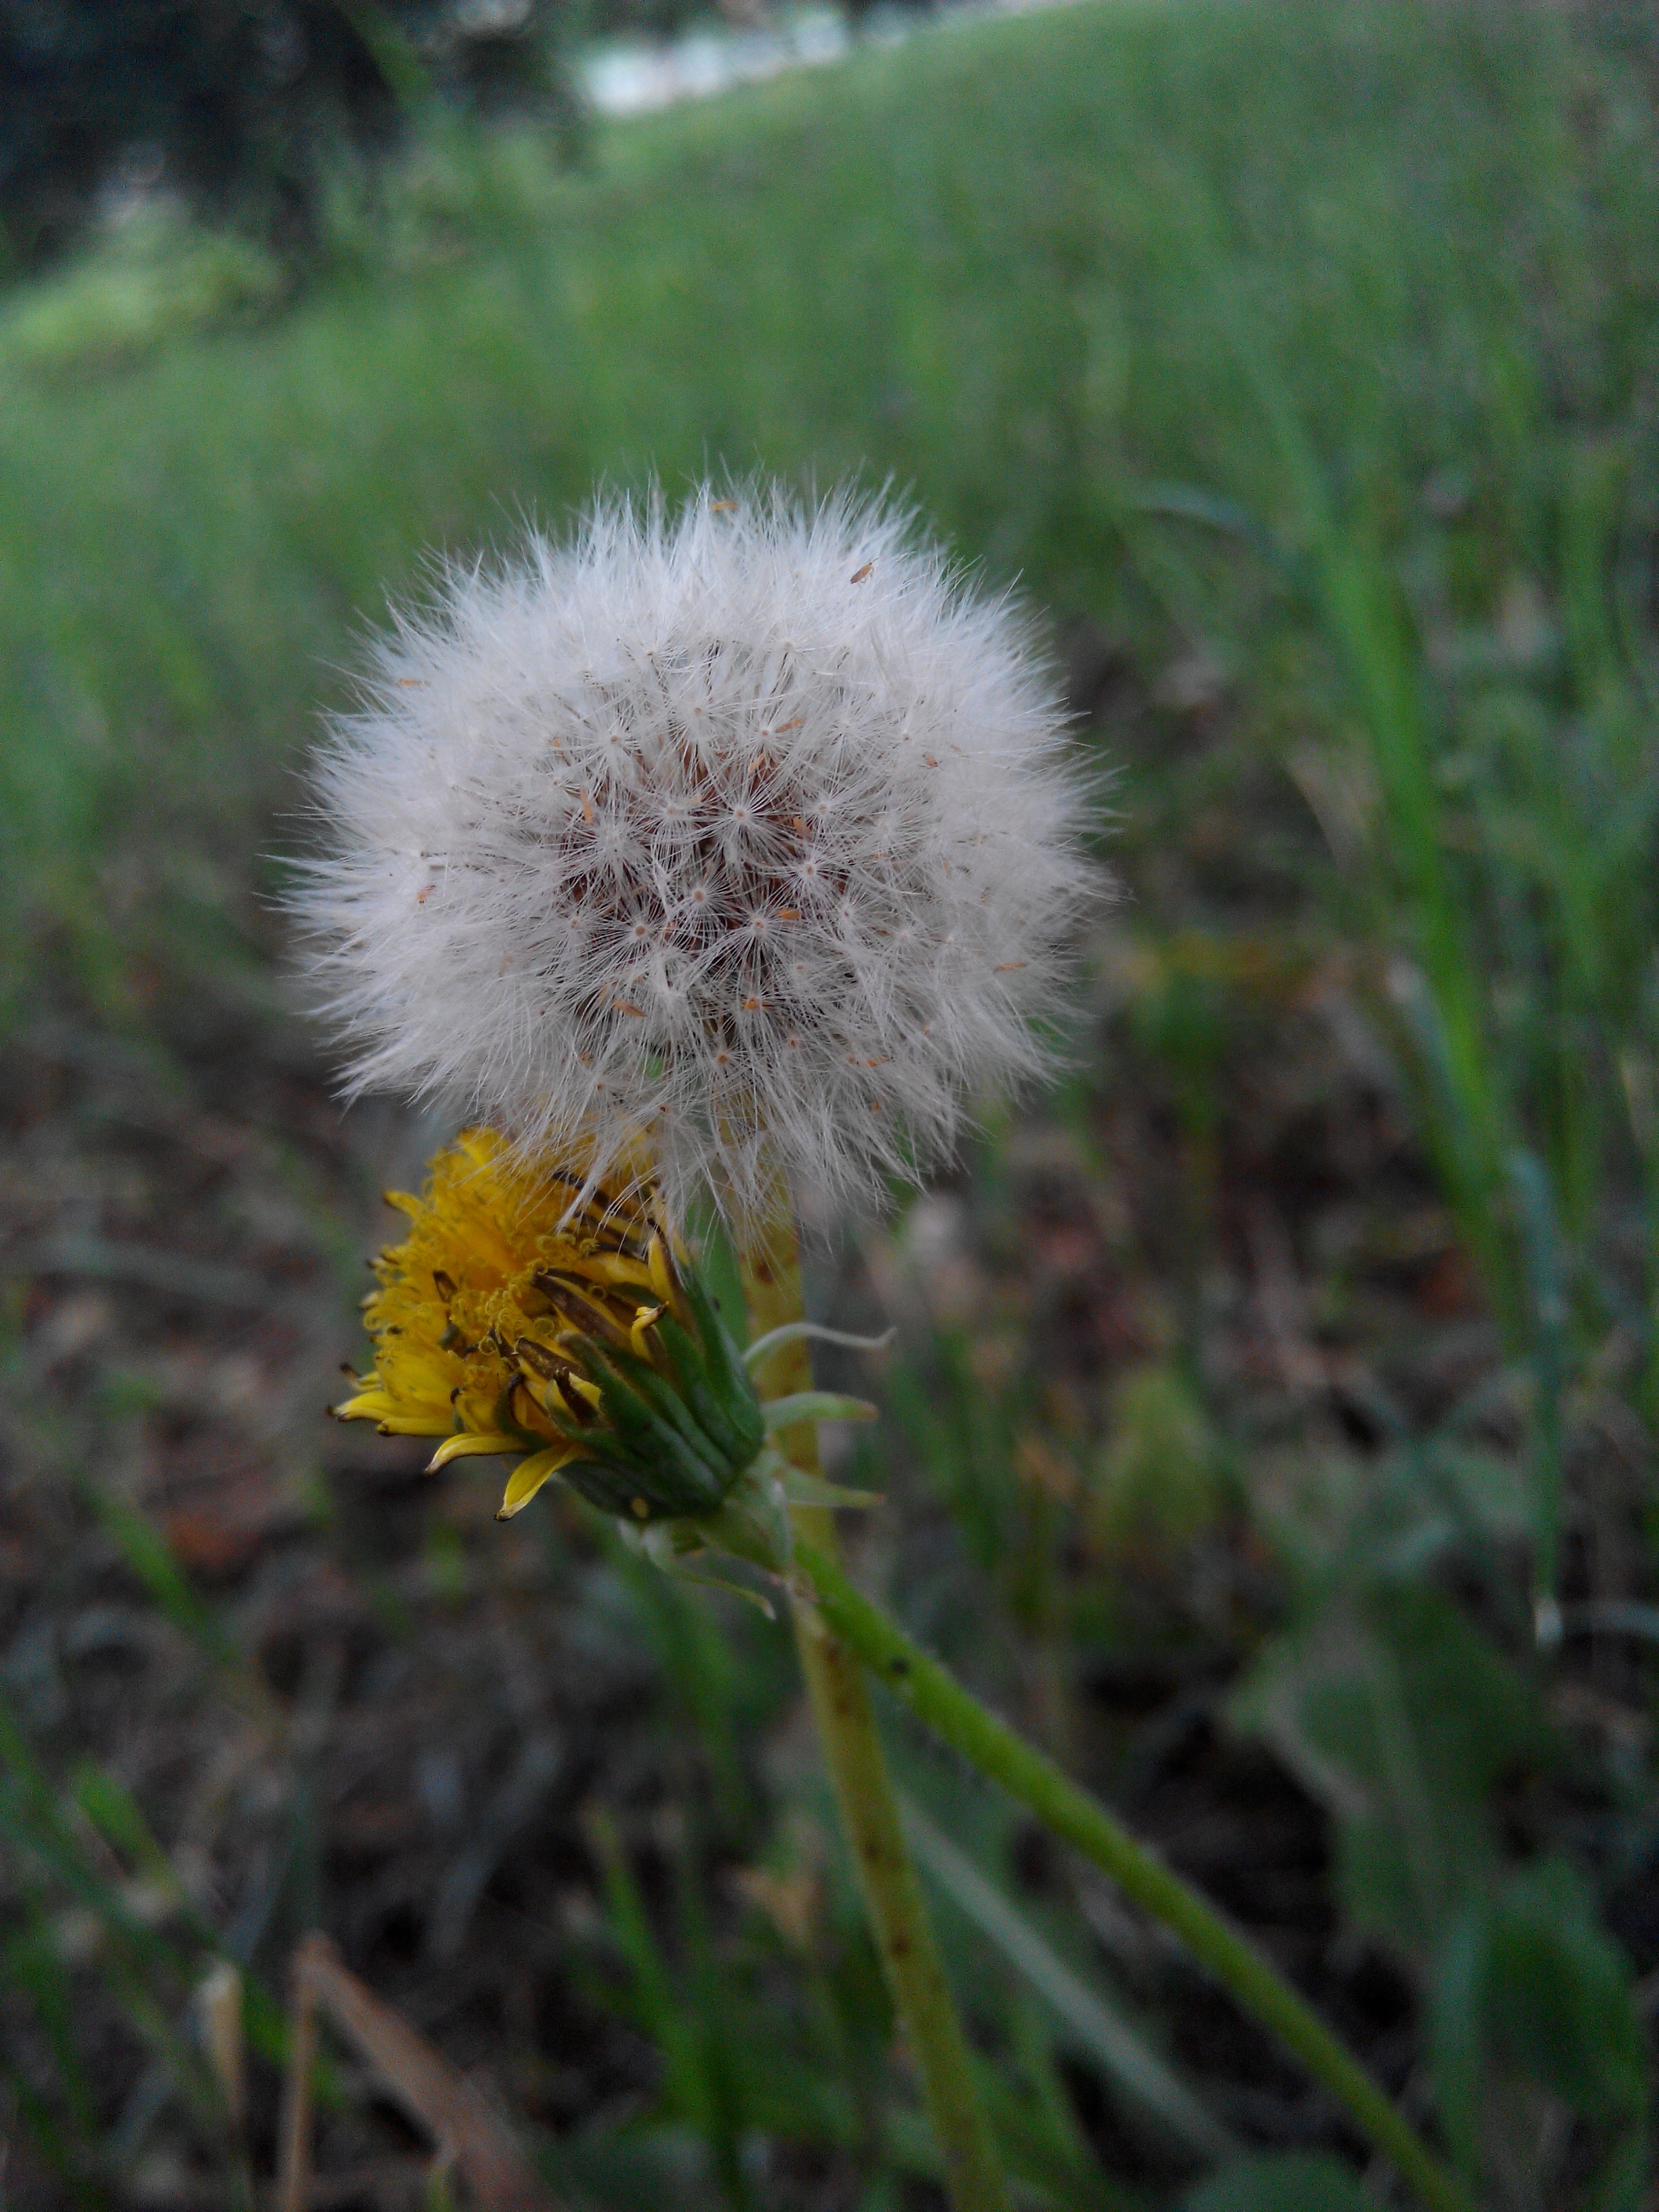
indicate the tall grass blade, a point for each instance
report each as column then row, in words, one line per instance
column 1547, row 1297
column 1103, row 2033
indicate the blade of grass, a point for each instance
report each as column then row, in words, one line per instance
column 65, row 2155
column 1363, row 615
column 144, row 1972
column 1547, row 1303
column 688, row 2089
column 30, row 1963
column 1103, row 2033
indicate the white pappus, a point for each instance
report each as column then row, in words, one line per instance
column 752, row 830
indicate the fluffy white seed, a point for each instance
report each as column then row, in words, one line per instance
column 753, row 828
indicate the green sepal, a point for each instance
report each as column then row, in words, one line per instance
column 669, row 1405
column 802, row 1489
column 815, row 1406
column 724, row 1424
column 727, row 1376
column 753, row 1522
column 611, row 1487
column 646, row 1461
column 677, row 1468
column 695, row 1564
column 711, row 1579
column 638, row 1380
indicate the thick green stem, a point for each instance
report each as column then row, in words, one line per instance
column 864, row 1789
column 936, row 1699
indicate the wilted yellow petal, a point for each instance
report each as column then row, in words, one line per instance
column 527, row 1478
column 643, row 1317
column 468, row 1447
column 367, row 1405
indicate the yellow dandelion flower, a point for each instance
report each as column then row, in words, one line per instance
column 481, row 1317
column 528, row 1316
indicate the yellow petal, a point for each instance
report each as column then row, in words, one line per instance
column 476, row 1410
column 527, row 1478
column 420, row 1379
column 416, row 1423
column 643, row 1317
column 527, row 1408
column 466, row 1447
column 612, row 1268
column 367, row 1405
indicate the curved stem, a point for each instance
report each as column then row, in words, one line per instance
column 858, row 1768
column 936, row 1699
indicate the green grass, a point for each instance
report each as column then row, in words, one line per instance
column 1023, row 268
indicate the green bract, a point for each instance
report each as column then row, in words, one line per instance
column 675, row 1431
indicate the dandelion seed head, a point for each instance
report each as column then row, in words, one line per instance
column 755, row 825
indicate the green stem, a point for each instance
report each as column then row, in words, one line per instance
column 863, row 1789
column 940, row 1701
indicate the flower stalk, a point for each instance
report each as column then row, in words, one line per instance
column 528, row 1317
column 953, row 1713
column 770, row 1266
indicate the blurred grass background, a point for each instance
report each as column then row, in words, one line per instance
column 1299, row 362
column 1030, row 271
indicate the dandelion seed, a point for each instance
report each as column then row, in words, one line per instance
column 589, row 755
